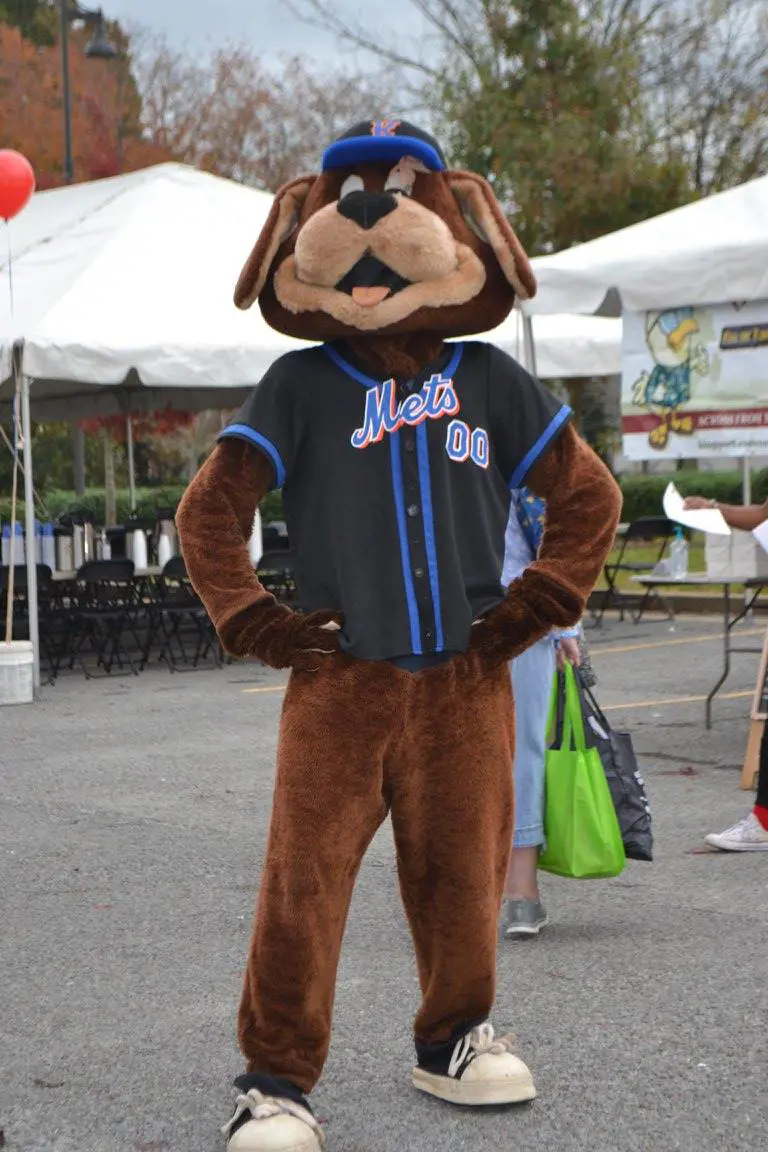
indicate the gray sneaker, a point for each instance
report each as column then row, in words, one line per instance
column 521, row 919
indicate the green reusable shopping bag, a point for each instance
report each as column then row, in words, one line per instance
column 583, row 838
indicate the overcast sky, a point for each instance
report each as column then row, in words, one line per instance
column 266, row 24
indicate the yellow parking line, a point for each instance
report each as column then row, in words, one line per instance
column 673, row 700
column 606, row 707
column 628, row 707
column 596, row 650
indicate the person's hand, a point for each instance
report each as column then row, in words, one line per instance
column 697, row 503
column 568, row 652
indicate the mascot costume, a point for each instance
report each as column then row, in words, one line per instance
column 396, row 452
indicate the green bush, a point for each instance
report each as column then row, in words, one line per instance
column 272, row 507
column 643, row 494
column 148, row 500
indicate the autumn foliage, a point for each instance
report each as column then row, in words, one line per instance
column 229, row 112
column 145, row 426
column 106, row 110
column 246, row 118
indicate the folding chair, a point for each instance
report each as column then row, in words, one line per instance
column 657, row 530
column 178, row 615
column 105, row 610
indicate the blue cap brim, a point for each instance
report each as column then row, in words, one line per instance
column 369, row 149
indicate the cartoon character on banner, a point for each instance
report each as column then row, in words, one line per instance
column 671, row 338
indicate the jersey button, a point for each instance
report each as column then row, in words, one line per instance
column 418, row 573
column 413, row 509
column 410, row 444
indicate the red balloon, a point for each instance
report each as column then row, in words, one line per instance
column 17, row 182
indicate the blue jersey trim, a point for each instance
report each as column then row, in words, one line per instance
column 541, row 444
column 410, row 591
column 454, row 361
column 425, row 485
column 244, row 431
column 338, row 359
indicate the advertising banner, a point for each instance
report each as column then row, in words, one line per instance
column 694, row 382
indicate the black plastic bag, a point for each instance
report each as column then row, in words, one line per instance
column 630, row 797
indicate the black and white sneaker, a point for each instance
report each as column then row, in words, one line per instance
column 271, row 1124
column 480, row 1070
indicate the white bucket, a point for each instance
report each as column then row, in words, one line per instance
column 16, row 665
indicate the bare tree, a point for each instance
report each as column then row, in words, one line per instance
column 234, row 115
column 455, row 28
column 700, row 70
column 709, row 98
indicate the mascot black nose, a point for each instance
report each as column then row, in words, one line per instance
column 367, row 208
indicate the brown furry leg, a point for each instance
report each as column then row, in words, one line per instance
column 328, row 803
column 452, row 813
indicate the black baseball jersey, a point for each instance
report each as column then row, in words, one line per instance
column 396, row 493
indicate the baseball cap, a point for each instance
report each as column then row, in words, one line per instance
column 385, row 139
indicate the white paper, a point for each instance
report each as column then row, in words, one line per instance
column 761, row 535
column 706, row 520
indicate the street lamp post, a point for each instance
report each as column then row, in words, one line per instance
column 99, row 47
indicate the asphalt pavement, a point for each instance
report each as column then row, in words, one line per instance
column 133, row 815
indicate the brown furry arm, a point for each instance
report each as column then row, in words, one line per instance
column 583, row 509
column 215, row 519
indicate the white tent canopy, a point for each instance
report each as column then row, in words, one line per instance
column 703, row 253
column 124, row 286
column 566, row 346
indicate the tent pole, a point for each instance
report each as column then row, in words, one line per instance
column 131, row 469
column 529, row 346
column 29, row 525
column 746, row 481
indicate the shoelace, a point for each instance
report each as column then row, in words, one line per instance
column 479, row 1042
column 261, row 1107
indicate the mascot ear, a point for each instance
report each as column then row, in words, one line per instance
column 483, row 214
column 282, row 219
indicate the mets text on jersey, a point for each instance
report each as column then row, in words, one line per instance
column 383, row 414
column 436, row 399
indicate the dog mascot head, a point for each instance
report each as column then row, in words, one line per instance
column 385, row 242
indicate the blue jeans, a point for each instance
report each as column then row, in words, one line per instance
column 532, row 676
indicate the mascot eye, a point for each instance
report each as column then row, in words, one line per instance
column 403, row 176
column 398, row 181
column 351, row 184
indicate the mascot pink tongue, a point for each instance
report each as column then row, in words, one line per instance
column 369, row 296
column 396, row 450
